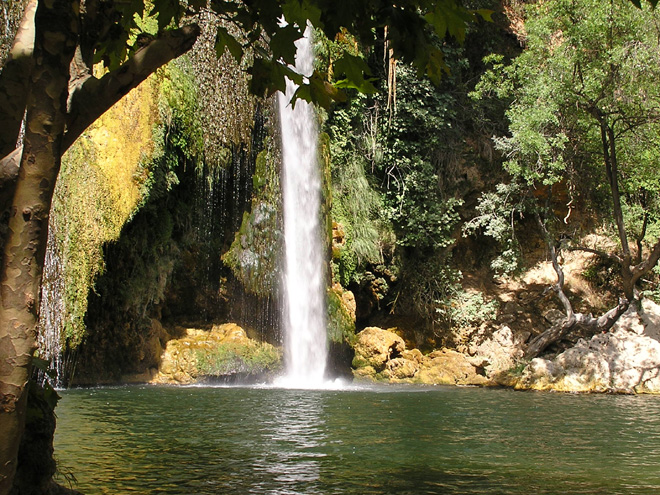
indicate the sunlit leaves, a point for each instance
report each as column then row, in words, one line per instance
column 319, row 91
column 353, row 69
column 269, row 29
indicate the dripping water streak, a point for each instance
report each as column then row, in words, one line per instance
column 51, row 310
column 304, row 285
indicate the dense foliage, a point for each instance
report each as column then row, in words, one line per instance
column 405, row 160
column 583, row 127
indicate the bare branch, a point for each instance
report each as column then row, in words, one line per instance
column 641, row 269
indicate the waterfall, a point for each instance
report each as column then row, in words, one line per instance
column 304, row 284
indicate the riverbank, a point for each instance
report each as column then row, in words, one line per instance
column 623, row 360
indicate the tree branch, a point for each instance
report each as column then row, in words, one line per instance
column 597, row 252
column 14, row 81
column 641, row 269
column 95, row 96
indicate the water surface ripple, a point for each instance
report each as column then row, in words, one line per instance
column 439, row 440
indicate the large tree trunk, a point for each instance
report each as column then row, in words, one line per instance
column 20, row 274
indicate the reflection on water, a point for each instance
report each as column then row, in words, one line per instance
column 293, row 431
column 384, row 440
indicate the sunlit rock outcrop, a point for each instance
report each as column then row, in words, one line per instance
column 382, row 355
column 627, row 359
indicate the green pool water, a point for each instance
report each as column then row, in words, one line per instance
column 400, row 440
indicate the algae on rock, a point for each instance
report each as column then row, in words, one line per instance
column 256, row 250
column 224, row 352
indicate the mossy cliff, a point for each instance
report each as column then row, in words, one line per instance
column 177, row 202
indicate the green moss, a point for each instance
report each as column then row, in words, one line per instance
column 231, row 358
column 254, row 254
column 341, row 327
column 360, row 362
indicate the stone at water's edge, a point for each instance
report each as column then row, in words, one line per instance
column 382, row 355
column 627, row 359
column 375, row 347
column 223, row 352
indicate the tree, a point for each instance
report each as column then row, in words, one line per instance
column 585, row 116
column 48, row 87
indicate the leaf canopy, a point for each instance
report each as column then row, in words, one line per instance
column 262, row 35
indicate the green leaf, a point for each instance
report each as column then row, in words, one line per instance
column 436, row 66
column 167, row 11
column 225, row 41
column 300, row 11
column 283, row 45
column 354, row 68
column 319, row 91
column 449, row 18
column 269, row 77
column 485, row 14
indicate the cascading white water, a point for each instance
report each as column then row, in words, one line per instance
column 304, row 284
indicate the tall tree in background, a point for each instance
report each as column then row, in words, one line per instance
column 48, row 88
column 586, row 117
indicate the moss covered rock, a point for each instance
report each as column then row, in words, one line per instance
column 256, row 250
column 224, row 352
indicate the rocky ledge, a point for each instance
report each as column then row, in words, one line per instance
column 624, row 360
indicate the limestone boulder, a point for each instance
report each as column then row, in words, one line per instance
column 449, row 367
column 401, row 368
column 626, row 359
column 498, row 351
column 225, row 351
column 375, row 347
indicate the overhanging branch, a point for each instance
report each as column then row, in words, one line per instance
column 14, row 81
column 95, row 96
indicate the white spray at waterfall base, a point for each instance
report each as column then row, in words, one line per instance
column 304, row 284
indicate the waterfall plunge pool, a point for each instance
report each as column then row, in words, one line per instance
column 375, row 440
